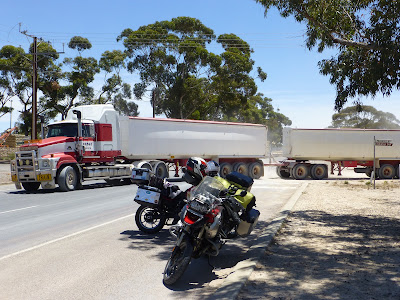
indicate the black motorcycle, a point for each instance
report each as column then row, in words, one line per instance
column 217, row 209
column 160, row 204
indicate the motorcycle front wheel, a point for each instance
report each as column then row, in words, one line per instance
column 178, row 262
column 149, row 220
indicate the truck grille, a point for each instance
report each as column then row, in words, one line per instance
column 25, row 160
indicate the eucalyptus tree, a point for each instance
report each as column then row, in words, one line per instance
column 14, row 80
column 366, row 35
column 114, row 89
column 232, row 83
column 365, row 116
column 16, row 77
column 73, row 84
column 172, row 62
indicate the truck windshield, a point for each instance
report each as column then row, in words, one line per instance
column 69, row 130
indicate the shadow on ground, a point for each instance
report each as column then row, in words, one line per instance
column 354, row 257
column 201, row 271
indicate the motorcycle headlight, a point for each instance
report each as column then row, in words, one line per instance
column 199, row 206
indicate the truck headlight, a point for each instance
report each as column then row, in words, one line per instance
column 45, row 164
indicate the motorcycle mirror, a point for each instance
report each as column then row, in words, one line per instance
column 243, row 193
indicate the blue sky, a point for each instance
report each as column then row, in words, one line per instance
column 294, row 82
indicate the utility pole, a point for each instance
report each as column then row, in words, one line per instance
column 34, row 80
column 34, row 90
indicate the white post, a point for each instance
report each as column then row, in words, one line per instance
column 374, row 161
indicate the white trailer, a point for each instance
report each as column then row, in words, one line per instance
column 94, row 142
column 236, row 146
column 342, row 148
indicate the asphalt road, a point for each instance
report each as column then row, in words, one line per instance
column 85, row 245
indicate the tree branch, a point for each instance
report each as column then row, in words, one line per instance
column 331, row 34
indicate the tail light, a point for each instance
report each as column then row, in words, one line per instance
column 191, row 217
column 211, row 216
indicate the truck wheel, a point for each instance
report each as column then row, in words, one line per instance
column 224, row 169
column 300, row 171
column 255, row 170
column 386, row 171
column 161, row 170
column 67, row 179
column 31, row 186
column 282, row 173
column 319, row 172
column 241, row 167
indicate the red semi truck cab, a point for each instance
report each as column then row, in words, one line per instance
column 69, row 150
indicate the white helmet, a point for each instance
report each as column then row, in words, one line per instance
column 212, row 168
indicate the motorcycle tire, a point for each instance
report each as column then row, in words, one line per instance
column 178, row 262
column 149, row 220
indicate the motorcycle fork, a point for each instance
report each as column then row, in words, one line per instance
column 182, row 235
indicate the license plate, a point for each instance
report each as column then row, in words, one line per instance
column 43, row 177
column 14, row 178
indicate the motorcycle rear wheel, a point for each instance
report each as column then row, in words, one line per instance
column 149, row 220
column 178, row 262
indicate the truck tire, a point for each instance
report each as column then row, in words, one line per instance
column 300, row 171
column 282, row 172
column 67, row 179
column 241, row 167
column 161, row 170
column 397, row 172
column 255, row 170
column 31, row 186
column 319, row 171
column 386, row 171
column 224, row 169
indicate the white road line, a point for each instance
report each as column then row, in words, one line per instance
column 4, row 212
column 64, row 237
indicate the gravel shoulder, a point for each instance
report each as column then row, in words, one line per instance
column 341, row 241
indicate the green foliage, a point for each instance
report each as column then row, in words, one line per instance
column 363, row 116
column 69, row 88
column 186, row 80
column 183, row 78
column 366, row 35
column 79, row 43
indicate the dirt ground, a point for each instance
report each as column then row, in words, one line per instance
column 341, row 241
